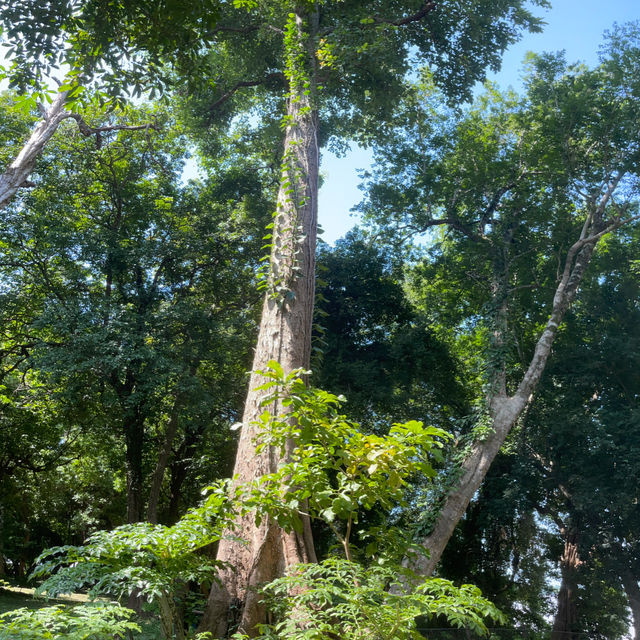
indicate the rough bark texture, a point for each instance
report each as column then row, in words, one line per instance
column 565, row 622
column 20, row 169
column 284, row 336
column 504, row 409
column 630, row 584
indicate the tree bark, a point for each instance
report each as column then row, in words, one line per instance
column 161, row 465
column 504, row 410
column 134, row 443
column 630, row 584
column 3, row 570
column 20, row 169
column 564, row 624
column 284, row 336
column 178, row 471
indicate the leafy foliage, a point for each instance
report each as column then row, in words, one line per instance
column 153, row 561
column 116, row 46
column 376, row 348
column 333, row 470
column 337, row 598
column 97, row 621
column 115, row 295
column 333, row 473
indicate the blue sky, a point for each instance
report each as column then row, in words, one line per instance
column 575, row 26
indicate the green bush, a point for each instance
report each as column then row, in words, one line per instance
column 95, row 621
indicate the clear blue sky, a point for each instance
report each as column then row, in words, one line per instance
column 573, row 25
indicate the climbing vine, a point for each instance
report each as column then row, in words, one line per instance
column 285, row 235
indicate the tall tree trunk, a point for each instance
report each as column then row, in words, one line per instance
column 504, row 410
column 284, row 336
column 161, row 464
column 20, row 169
column 564, row 624
column 134, row 442
column 630, row 584
column 178, row 471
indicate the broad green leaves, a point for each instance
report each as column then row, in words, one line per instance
column 332, row 470
column 152, row 561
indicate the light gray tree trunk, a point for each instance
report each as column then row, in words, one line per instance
column 284, row 336
column 505, row 410
column 20, row 169
column 18, row 172
column 630, row 584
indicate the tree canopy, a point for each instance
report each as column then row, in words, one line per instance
column 205, row 411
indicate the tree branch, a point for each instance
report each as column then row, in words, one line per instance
column 576, row 262
column 87, row 130
column 243, row 84
column 426, row 9
column 452, row 222
column 225, row 29
column 16, row 175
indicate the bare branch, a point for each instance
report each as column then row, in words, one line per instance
column 452, row 222
column 88, row 130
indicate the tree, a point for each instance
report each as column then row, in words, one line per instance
column 311, row 42
column 326, row 44
column 548, row 523
column 550, row 176
column 94, row 39
column 140, row 294
column 372, row 346
column 590, row 390
column 334, row 473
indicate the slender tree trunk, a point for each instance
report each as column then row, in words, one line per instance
column 3, row 570
column 161, row 465
column 178, row 470
column 505, row 410
column 165, row 454
column 20, row 169
column 474, row 469
column 564, row 624
column 284, row 336
column 134, row 437
column 630, row 584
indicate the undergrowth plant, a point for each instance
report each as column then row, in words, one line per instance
column 341, row 599
column 334, row 472
column 154, row 562
column 94, row 621
column 330, row 471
